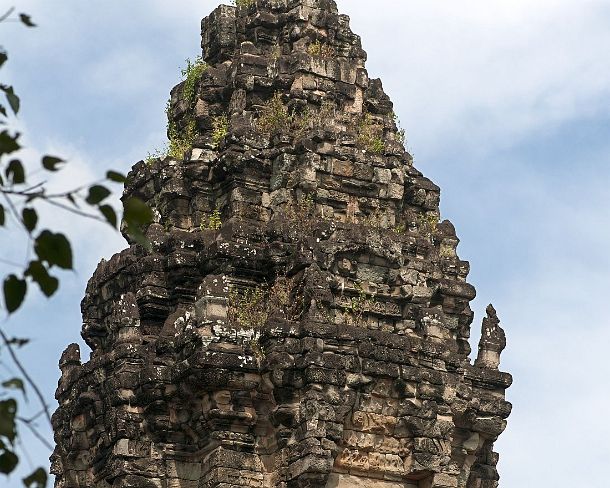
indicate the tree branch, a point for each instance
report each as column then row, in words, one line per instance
column 38, row 435
column 74, row 211
column 14, row 211
column 25, row 374
column 10, row 263
column 27, row 192
column 7, row 14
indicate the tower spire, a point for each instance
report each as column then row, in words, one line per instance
column 302, row 316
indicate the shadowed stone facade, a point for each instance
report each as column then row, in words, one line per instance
column 302, row 319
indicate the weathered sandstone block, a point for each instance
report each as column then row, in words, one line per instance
column 302, row 316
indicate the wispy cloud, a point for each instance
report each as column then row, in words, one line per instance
column 122, row 74
column 478, row 75
column 506, row 107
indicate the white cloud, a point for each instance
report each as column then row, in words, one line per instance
column 547, row 273
column 557, row 355
column 468, row 74
column 479, row 74
column 84, row 233
column 470, row 79
column 122, row 74
column 53, row 324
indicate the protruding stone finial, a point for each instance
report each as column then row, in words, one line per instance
column 70, row 358
column 493, row 341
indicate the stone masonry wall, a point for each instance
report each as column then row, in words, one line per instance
column 302, row 317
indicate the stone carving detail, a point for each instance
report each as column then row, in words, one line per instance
column 317, row 334
column 493, row 341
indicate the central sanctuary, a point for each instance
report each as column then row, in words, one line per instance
column 301, row 317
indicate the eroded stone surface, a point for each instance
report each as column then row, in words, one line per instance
column 319, row 337
column 349, row 481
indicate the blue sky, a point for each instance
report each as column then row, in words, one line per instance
column 506, row 107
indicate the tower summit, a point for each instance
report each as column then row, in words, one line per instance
column 302, row 318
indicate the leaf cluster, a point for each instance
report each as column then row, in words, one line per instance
column 23, row 189
column 401, row 135
column 192, row 73
column 251, row 308
column 181, row 141
column 21, row 193
column 400, row 228
column 358, row 306
column 274, row 116
column 427, row 224
column 311, row 118
column 301, row 216
column 19, row 209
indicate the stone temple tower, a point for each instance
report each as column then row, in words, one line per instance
column 301, row 318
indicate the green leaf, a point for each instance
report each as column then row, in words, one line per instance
column 138, row 236
column 97, row 193
column 2, row 216
column 136, row 215
column 3, row 57
column 15, row 172
column 136, row 212
column 116, row 177
column 51, row 163
column 48, row 284
column 38, row 479
column 18, row 341
column 8, row 143
column 8, row 411
column 14, row 292
column 13, row 100
column 27, row 20
column 3, row 110
column 8, row 462
column 29, row 218
column 53, row 248
column 15, row 383
column 109, row 214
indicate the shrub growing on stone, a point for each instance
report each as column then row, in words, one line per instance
column 220, row 129
column 213, row 222
column 243, row 3
column 370, row 135
column 274, row 116
column 427, row 224
column 180, row 140
column 192, row 73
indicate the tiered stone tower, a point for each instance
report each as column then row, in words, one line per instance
column 302, row 319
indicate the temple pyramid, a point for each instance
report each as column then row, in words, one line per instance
column 301, row 317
